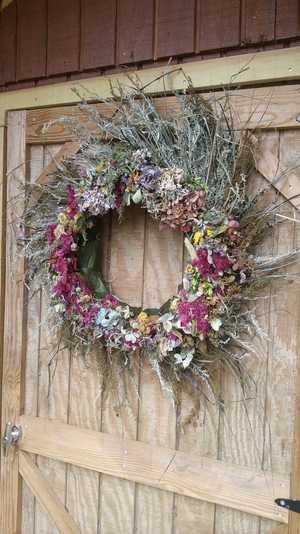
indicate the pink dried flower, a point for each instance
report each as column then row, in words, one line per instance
column 72, row 204
column 170, row 335
column 194, row 311
column 221, row 262
column 50, row 233
column 110, row 301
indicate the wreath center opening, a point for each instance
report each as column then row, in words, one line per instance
column 140, row 263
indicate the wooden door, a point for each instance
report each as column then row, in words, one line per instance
column 84, row 466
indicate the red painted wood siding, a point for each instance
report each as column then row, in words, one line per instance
column 48, row 41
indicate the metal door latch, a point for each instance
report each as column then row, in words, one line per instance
column 290, row 504
column 11, row 437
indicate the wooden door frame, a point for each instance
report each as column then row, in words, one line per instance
column 267, row 67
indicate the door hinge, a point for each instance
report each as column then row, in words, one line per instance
column 11, row 437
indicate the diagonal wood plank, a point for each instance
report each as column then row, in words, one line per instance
column 281, row 529
column 235, row 486
column 46, row 496
column 273, row 170
column 68, row 149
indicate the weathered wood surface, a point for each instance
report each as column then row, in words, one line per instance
column 14, row 334
column 265, row 108
column 46, row 496
column 162, row 468
column 75, row 396
column 66, row 37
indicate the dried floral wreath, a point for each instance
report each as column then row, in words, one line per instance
column 190, row 170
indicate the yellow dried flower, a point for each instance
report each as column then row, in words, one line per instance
column 144, row 329
column 189, row 269
column 142, row 317
column 175, row 304
column 208, row 230
column 77, row 216
column 101, row 167
column 197, row 238
column 63, row 218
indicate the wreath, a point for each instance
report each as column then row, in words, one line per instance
column 190, row 170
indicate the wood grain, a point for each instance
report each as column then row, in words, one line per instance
column 53, row 394
column 173, row 22
column 282, row 177
column 260, row 21
column 31, row 39
column 97, row 48
column 30, row 403
column 127, row 250
column 63, row 36
column 215, row 19
column 199, row 436
column 283, row 332
column 267, row 108
column 125, row 254
column 162, row 264
column 289, row 153
column 8, row 42
column 82, row 486
column 281, row 529
column 135, row 31
column 14, row 336
column 204, row 478
column 294, row 519
column 287, row 19
column 46, row 496
column 56, row 161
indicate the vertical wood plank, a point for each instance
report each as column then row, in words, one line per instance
column 127, row 248
column 85, row 411
column 163, row 264
column 135, row 31
column 289, row 154
column 287, row 19
column 32, row 356
column 158, row 426
column 31, row 39
column 174, row 20
column 260, row 21
column 8, row 42
column 63, row 36
column 98, row 46
column 199, row 436
column 14, row 338
column 162, row 274
column 53, row 405
column 294, row 519
column 53, row 398
column 126, row 257
column 244, row 428
column 3, row 162
column 219, row 24
column 283, row 334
